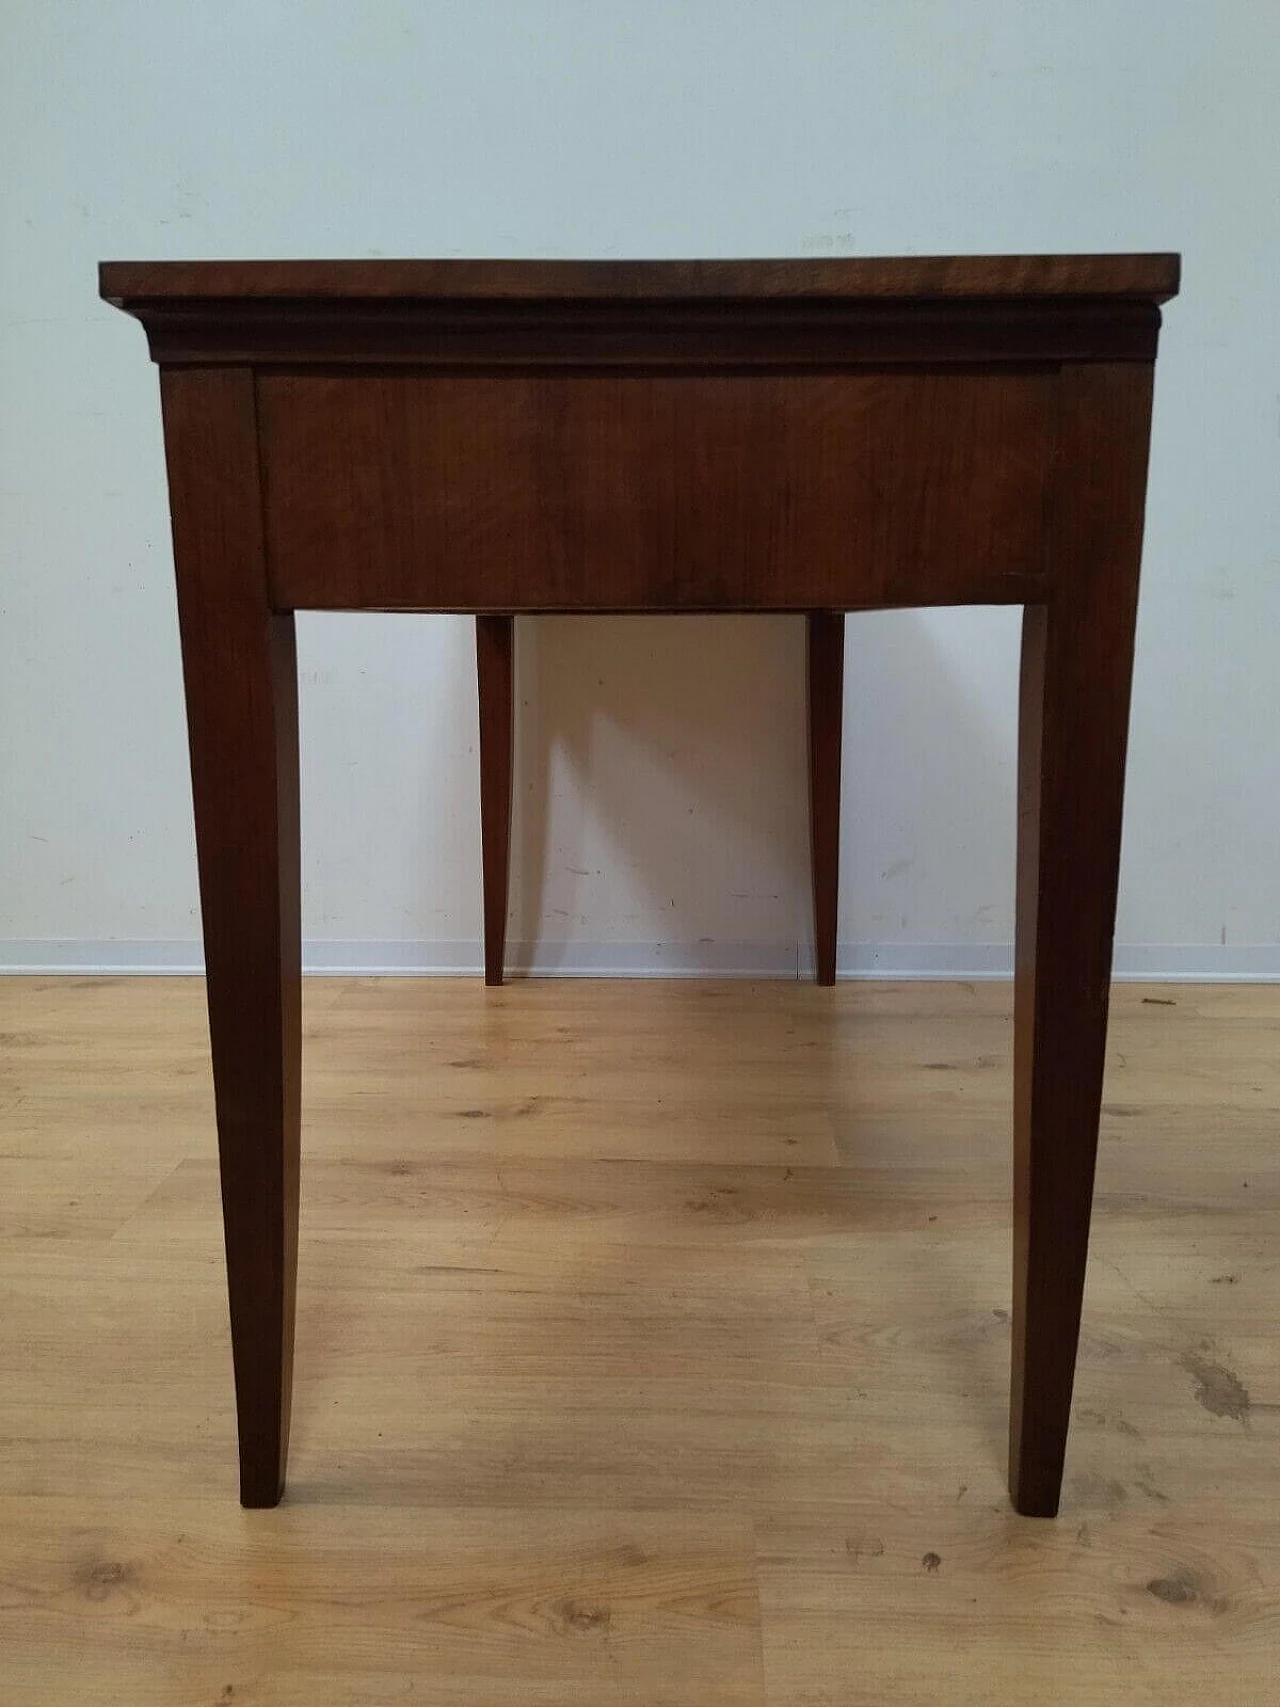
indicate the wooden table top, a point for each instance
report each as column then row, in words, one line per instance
column 1151, row 278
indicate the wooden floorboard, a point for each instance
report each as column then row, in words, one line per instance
column 652, row 1349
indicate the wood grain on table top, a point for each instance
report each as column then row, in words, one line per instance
column 1142, row 277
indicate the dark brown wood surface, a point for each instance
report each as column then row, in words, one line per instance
column 1077, row 659
column 242, row 715
column 493, row 315
column 494, row 666
column 913, row 278
column 493, row 337
column 824, row 636
column 655, row 491
column 498, row 437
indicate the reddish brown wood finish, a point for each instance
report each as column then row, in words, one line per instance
column 1077, row 659
column 908, row 278
column 825, row 665
column 242, row 715
column 655, row 491
column 811, row 436
column 493, row 680
column 493, row 315
column 806, row 335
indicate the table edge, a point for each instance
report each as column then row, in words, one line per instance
column 1143, row 277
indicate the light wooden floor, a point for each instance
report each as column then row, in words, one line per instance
column 652, row 1348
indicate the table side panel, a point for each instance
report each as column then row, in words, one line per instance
column 655, row 491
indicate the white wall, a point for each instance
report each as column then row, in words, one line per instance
column 661, row 761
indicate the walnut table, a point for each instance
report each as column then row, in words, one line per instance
column 810, row 436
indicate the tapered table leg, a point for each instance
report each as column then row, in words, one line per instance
column 494, row 636
column 825, row 632
column 241, row 688
column 1077, row 656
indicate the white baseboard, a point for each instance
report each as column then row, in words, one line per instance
column 1173, row 963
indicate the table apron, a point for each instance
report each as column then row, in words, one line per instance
column 656, row 491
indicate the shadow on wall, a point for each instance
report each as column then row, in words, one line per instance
column 660, row 761
column 661, row 787
column 930, row 776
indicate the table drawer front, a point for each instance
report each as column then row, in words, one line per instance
column 614, row 491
